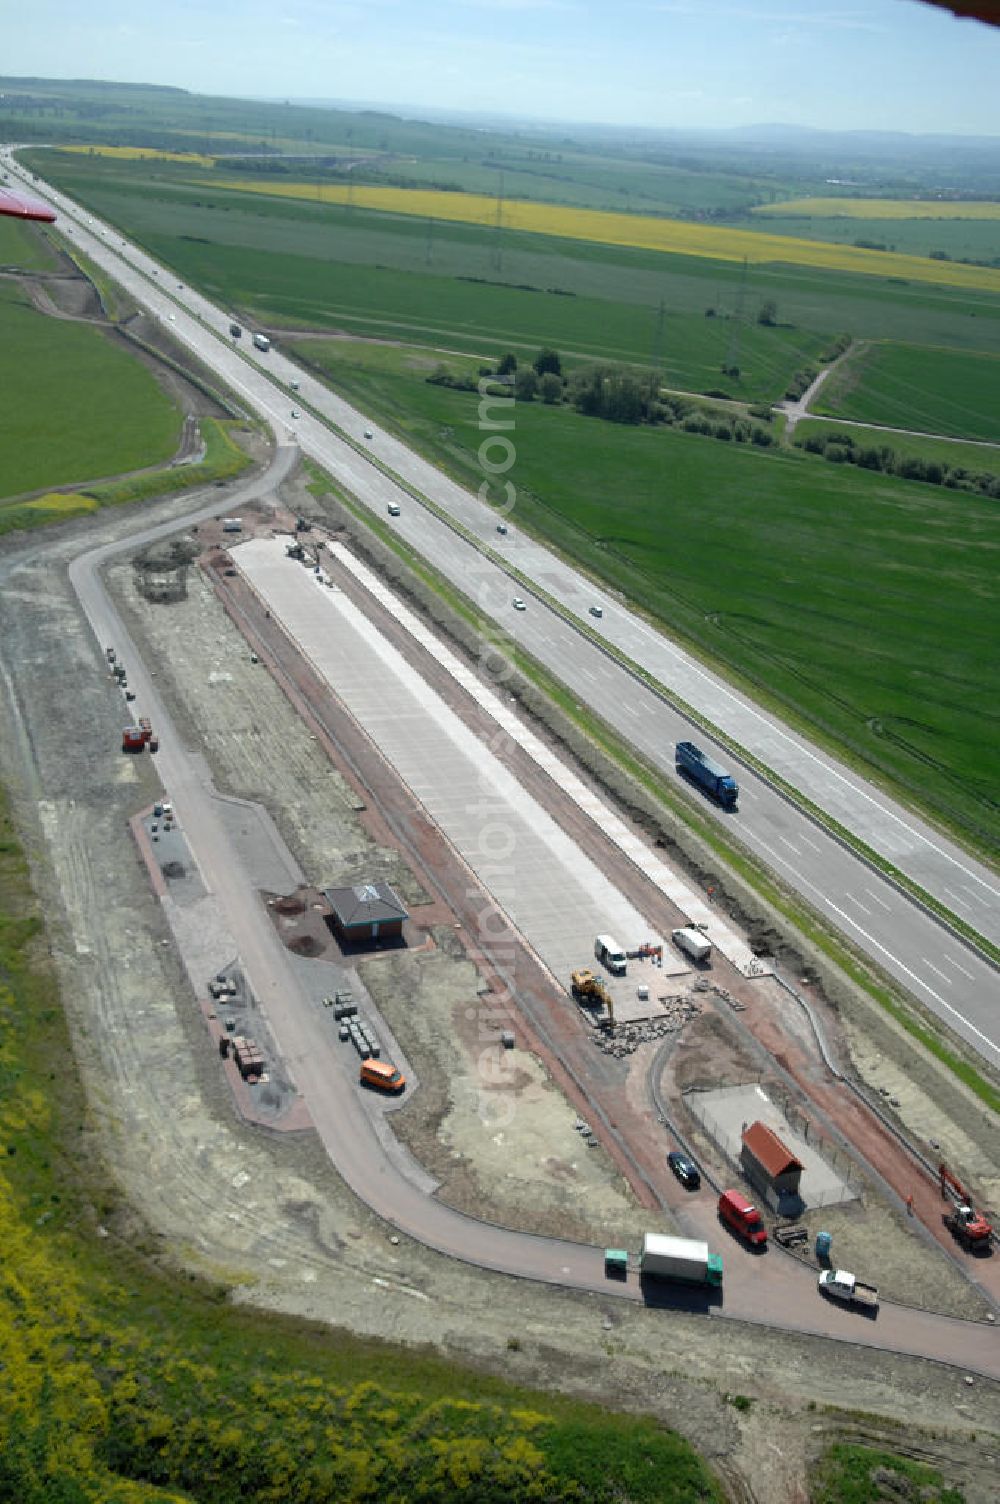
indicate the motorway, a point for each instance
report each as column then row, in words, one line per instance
column 950, row 978
column 776, row 1291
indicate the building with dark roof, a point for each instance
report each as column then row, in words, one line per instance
column 768, row 1165
column 365, row 913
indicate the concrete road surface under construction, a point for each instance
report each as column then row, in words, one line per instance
column 776, row 1291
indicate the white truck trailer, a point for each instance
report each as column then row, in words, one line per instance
column 685, row 1260
column 845, row 1287
column 261, row 342
column 693, row 943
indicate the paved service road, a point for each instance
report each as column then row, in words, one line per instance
column 775, row 1291
column 952, row 980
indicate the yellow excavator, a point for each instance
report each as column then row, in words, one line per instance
column 591, row 991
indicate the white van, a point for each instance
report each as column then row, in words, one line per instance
column 610, row 955
column 693, row 943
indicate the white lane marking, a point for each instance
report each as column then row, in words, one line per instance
column 810, row 843
column 958, row 966
column 937, row 969
column 871, row 940
column 880, row 901
column 864, row 909
column 790, row 844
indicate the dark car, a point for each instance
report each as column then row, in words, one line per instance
column 685, row 1169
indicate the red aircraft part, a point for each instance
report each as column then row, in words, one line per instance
column 24, row 208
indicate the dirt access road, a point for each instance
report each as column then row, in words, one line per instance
column 345, row 1128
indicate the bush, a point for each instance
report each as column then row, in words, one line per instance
column 442, row 376
column 799, row 383
column 547, row 361
column 618, row 393
column 551, row 388
column 525, row 384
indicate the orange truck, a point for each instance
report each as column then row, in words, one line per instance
column 382, row 1075
column 743, row 1217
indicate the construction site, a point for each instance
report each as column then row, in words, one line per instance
column 456, row 896
column 588, row 1039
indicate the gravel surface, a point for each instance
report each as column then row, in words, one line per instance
column 488, row 1122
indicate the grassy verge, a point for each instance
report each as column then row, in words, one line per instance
column 800, row 916
column 852, row 1474
column 115, row 301
column 223, row 460
column 123, row 1383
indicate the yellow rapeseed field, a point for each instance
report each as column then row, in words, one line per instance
column 880, row 208
column 671, row 235
column 145, row 153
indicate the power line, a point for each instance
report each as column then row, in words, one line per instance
column 658, row 341
column 733, row 353
column 498, row 248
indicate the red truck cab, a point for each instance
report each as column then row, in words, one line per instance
column 743, row 1217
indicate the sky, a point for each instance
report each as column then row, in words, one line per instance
column 872, row 64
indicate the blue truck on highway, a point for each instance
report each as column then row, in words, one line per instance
column 692, row 761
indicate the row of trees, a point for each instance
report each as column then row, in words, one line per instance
column 619, row 394
column 843, row 449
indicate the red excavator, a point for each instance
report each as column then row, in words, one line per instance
column 968, row 1225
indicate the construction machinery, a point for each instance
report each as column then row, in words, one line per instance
column 969, row 1226
column 587, row 988
column 592, row 993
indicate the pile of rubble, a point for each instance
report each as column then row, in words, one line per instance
column 704, row 985
column 627, row 1038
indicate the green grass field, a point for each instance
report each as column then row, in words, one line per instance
column 906, row 386
column 556, row 177
column 811, row 581
column 224, row 240
column 979, row 240
column 80, row 407
column 24, row 246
